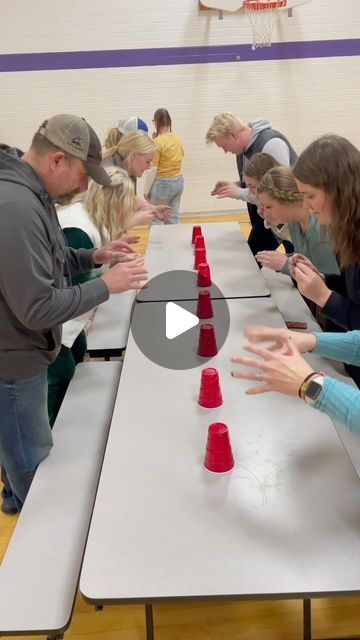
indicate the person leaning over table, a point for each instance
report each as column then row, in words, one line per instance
column 280, row 367
column 327, row 174
column 105, row 213
column 256, row 168
column 232, row 135
column 134, row 152
column 35, row 298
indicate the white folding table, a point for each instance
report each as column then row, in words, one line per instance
column 109, row 331
column 233, row 267
column 284, row 523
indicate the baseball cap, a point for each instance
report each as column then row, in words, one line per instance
column 74, row 135
column 132, row 124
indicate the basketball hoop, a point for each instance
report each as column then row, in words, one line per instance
column 262, row 14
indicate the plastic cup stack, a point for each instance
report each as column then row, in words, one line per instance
column 210, row 395
column 196, row 232
column 204, row 310
column 218, row 456
column 207, row 347
column 200, row 256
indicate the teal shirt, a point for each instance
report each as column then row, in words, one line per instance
column 315, row 244
column 337, row 399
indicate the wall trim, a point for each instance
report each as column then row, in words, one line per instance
column 62, row 60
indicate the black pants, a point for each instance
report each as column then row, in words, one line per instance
column 260, row 238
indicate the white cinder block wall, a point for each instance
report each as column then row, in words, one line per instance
column 302, row 97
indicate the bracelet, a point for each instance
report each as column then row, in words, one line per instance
column 302, row 388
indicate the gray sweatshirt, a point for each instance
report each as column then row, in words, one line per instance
column 276, row 146
column 34, row 260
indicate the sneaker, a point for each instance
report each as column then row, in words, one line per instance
column 9, row 508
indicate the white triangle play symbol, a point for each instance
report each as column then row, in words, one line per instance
column 178, row 320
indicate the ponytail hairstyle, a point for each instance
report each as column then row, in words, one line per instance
column 128, row 145
column 161, row 119
column 109, row 207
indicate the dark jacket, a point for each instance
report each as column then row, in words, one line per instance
column 34, row 297
column 343, row 306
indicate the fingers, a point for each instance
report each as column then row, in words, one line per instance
column 222, row 193
column 249, row 362
column 132, row 239
column 263, row 334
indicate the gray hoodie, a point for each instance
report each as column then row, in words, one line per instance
column 273, row 143
column 34, row 260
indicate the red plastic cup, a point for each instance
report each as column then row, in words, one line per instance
column 195, row 233
column 210, row 393
column 204, row 309
column 218, row 456
column 204, row 275
column 200, row 242
column 200, row 256
column 207, row 347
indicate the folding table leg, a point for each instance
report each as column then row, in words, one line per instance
column 149, row 622
column 307, row 618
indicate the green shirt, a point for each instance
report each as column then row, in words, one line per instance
column 315, row 244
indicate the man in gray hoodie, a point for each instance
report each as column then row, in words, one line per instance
column 34, row 297
column 244, row 140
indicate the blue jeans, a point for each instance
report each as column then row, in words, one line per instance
column 168, row 191
column 25, row 434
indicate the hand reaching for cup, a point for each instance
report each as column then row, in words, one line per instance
column 282, row 370
column 271, row 259
column 277, row 338
column 126, row 275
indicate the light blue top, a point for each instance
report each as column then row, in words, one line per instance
column 337, row 399
column 315, row 244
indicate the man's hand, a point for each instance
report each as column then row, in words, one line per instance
column 226, row 189
column 311, row 285
column 112, row 251
column 125, row 276
column 271, row 259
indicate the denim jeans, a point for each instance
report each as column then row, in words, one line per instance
column 25, row 434
column 168, row 191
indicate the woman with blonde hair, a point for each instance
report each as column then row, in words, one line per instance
column 165, row 182
column 282, row 203
column 104, row 214
column 134, row 153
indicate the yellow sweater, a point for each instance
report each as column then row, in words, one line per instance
column 169, row 155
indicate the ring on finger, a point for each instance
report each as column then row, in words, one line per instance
column 259, row 375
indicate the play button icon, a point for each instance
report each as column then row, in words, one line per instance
column 166, row 326
column 178, row 320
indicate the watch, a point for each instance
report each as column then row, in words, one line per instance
column 313, row 389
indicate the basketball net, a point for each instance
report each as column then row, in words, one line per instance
column 262, row 15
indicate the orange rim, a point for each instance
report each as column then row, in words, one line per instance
column 258, row 5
